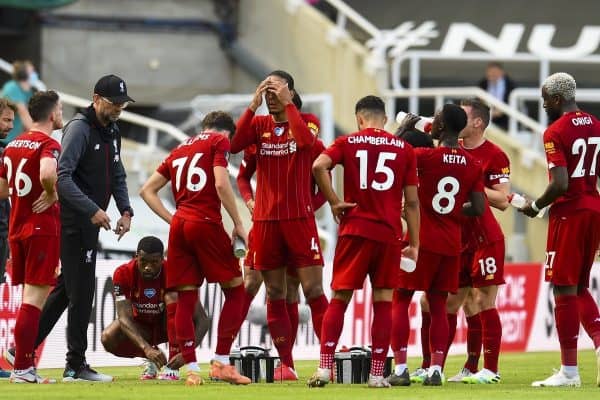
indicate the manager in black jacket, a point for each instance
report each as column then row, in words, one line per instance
column 89, row 173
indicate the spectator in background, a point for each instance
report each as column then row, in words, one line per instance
column 18, row 90
column 34, row 77
column 499, row 85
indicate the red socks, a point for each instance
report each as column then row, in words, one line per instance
column 26, row 330
column 425, row 324
column 380, row 335
column 171, row 335
column 246, row 304
column 473, row 343
column 492, row 337
column 292, row 310
column 184, row 323
column 452, row 318
column 318, row 307
column 231, row 318
column 280, row 329
column 438, row 334
column 589, row 316
column 333, row 322
column 400, row 325
column 567, row 326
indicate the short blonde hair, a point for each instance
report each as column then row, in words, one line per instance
column 561, row 84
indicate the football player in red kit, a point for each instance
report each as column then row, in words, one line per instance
column 199, row 247
column 379, row 171
column 284, row 232
column 450, row 186
column 253, row 278
column 146, row 313
column 572, row 145
column 28, row 176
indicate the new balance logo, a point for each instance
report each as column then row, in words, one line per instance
column 378, row 351
column 330, row 344
column 189, row 343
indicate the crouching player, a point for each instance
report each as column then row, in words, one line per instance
column 146, row 313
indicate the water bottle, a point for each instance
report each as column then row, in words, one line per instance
column 407, row 264
column 239, row 247
column 518, row 201
column 423, row 124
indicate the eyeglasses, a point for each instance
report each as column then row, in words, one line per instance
column 118, row 105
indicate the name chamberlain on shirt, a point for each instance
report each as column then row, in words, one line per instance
column 376, row 141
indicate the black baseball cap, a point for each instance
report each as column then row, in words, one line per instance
column 113, row 88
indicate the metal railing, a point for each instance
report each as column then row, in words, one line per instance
column 441, row 94
column 154, row 126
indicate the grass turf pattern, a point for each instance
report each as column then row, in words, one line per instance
column 518, row 370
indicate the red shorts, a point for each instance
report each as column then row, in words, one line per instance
column 154, row 334
column 571, row 248
column 435, row 272
column 294, row 243
column 35, row 260
column 483, row 267
column 356, row 257
column 198, row 251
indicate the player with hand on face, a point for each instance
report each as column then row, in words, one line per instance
column 284, row 231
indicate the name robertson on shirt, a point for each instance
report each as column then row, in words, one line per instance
column 24, row 144
column 277, row 149
column 376, row 140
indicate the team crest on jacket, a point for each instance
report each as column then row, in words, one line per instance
column 279, row 130
column 150, row 292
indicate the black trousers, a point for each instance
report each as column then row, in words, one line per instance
column 74, row 290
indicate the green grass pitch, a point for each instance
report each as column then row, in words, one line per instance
column 518, row 371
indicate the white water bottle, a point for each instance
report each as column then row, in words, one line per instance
column 518, row 201
column 407, row 264
column 423, row 124
column 239, row 247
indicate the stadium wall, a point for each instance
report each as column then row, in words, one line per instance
column 525, row 304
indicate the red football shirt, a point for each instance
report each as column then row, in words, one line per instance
column 189, row 167
column 377, row 167
column 573, row 141
column 248, row 167
column 21, row 168
column 146, row 295
column 283, row 163
column 447, row 176
column 494, row 163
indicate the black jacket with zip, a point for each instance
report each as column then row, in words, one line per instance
column 90, row 170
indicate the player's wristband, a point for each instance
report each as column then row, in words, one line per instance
column 534, row 207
